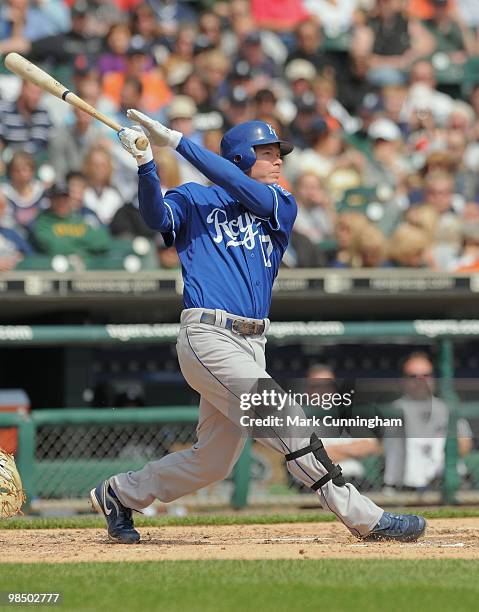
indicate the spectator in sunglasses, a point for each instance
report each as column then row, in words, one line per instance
column 414, row 456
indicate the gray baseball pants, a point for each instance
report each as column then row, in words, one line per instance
column 214, row 362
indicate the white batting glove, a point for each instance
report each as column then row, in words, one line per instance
column 128, row 138
column 157, row 133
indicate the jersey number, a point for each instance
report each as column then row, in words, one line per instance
column 266, row 249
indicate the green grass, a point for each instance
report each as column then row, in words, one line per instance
column 78, row 522
column 229, row 586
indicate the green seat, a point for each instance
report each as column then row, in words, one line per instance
column 63, row 73
column 339, row 43
column 41, row 157
column 452, row 75
column 362, row 144
column 3, row 68
column 121, row 246
column 328, row 244
column 471, row 76
column 104, row 262
column 112, row 260
column 445, row 71
column 35, row 262
column 115, row 258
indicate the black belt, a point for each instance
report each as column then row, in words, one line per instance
column 238, row 326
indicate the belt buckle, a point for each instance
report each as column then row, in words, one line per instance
column 235, row 326
column 245, row 328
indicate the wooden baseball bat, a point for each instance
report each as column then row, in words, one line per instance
column 28, row 71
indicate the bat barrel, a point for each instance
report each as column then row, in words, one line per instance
column 28, row 71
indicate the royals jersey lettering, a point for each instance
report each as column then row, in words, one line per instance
column 230, row 248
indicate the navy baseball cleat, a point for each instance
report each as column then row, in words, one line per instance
column 118, row 518
column 399, row 527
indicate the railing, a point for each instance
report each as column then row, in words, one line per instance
column 59, row 335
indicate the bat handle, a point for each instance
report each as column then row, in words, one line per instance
column 142, row 143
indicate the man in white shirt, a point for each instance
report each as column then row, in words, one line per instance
column 417, row 459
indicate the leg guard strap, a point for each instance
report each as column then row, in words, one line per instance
column 316, row 447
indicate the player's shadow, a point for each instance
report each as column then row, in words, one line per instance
column 178, row 542
column 155, row 541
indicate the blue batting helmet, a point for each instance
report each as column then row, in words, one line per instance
column 237, row 145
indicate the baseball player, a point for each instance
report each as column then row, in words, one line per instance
column 230, row 238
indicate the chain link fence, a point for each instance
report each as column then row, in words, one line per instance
column 71, row 459
column 136, row 441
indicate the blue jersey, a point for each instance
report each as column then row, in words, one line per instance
column 230, row 237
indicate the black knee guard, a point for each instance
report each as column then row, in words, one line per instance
column 316, row 447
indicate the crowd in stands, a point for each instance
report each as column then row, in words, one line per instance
column 379, row 97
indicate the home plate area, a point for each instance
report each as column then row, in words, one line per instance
column 445, row 538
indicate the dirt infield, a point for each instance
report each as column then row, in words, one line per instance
column 445, row 538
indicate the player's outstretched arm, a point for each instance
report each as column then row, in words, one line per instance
column 152, row 206
column 258, row 198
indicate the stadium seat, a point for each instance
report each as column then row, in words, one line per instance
column 340, row 42
column 446, row 72
column 471, row 76
column 35, row 262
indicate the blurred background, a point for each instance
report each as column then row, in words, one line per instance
column 381, row 100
